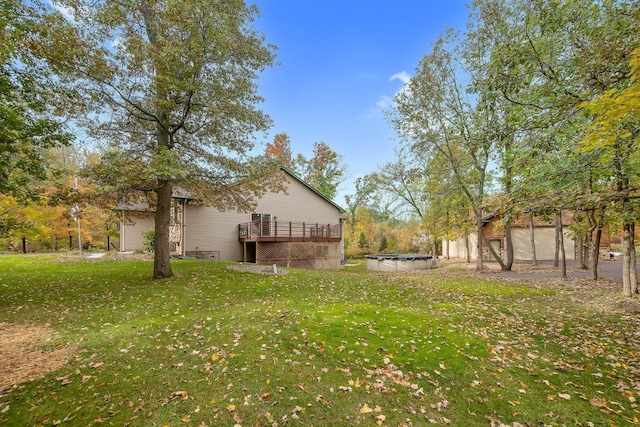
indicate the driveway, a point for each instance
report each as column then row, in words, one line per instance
column 610, row 269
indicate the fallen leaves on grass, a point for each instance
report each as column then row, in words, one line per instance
column 23, row 356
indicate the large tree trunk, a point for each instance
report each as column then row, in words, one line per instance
column 560, row 243
column 580, row 251
column 448, row 246
column 162, row 255
column 595, row 250
column 495, row 256
column 509, row 244
column 479, row 261
column 468, row 249
column 633, row 273
column 534, row 259
column 448, row 241
column 586, row 250
column 556, row 256
column 595, row 254
column 591, row 251
column 627, row 287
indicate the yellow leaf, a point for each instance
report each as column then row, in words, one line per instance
column 231, row 408
column 380, row 419
column 365, row 409
column 214, row 357
column 186, row 419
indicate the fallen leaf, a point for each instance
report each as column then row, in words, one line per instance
column 64, row 380
column 365, row 409
column 265, row 397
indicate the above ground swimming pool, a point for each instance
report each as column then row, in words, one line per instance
column 400, row 262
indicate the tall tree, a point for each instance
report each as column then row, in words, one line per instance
column 404, row 180
column 362, row 194
column 29, row 123
column 324, row 170
column 436, row 113
column 170, row 85
column 280, row 150
column 615, row 134
column 546, row 59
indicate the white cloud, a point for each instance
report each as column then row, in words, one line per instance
column 383, row 102
column 403, row 76
column 386, row 101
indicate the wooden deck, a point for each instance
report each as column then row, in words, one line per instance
column 280, row 231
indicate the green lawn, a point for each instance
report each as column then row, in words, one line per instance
column 213, row 346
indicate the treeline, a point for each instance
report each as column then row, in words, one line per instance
column 533, row 111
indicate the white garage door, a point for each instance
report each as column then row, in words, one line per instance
column 545, row 244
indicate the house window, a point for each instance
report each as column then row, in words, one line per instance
column 261, row 223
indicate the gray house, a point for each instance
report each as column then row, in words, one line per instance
column 301, row 228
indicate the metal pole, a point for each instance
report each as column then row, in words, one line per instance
column 79, row 236
column 75, row 187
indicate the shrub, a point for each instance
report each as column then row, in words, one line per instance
column 148, row 240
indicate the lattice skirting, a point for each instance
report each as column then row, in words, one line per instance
column 311, row 255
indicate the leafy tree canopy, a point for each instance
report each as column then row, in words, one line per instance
column 29, row 98
column 168, row 88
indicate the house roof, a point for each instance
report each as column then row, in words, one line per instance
column 301, row 181
column 181, row 193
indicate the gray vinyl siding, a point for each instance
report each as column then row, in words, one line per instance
column 299, row 205
column 208, row 229
column 132, row 231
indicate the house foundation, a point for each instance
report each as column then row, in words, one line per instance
column 309, row 255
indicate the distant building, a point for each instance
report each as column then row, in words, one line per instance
column 545, row 241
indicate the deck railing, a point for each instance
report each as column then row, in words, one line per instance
column 288, row 231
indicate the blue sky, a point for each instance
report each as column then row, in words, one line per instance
column 341, row 62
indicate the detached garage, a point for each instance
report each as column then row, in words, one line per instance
column 545, row 240
column 545, row 243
